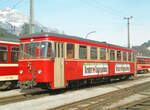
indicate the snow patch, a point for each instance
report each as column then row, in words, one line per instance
column 148, row 48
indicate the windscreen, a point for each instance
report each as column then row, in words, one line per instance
column 35, row 50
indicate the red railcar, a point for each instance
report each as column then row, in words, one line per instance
column 9, row 52
column 58, row 61
column 143, row 64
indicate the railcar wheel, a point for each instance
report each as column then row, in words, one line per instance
column 5, row 85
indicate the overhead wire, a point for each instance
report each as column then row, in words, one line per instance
column 95, row 4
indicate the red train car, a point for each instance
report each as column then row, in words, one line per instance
column 9, row 52
column 143, row 64
column 60, row 61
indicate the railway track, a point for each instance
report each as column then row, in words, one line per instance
column 143, row 104
column 101, row 101
column 25, row 96
column 28, row 95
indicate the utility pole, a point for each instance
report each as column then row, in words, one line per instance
column 31, row 28
column 128, row 26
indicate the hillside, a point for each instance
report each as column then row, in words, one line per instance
column 143, row 50
column 13, row 21
column 6, row 36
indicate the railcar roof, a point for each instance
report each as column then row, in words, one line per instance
column 10, row 39
column 143, row 57
column 71, row 37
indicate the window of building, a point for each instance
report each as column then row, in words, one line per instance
column 124, row 56
column 129, row 56
column 102, row 53
column 14, row 54
column 3, row 54
column 82, row 52
column 118, row 55
column 112, row 55
column 93, row 53
column 70, row 51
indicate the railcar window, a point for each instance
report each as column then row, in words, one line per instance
column 70, row 50
column 58, row 50
column 119, row 55
column 3, row 54
column 14, row 54
column 45, row 49
column 124, row 56
column 21, row 54
column 140, row 61
column 49, row 50
column 134, row 57
column 27, row 50
column 82, row 52
column 129, row 56
column 36, row 49
column 112, row 55
column 93, row 53
column 62, row 50
column 102, row 53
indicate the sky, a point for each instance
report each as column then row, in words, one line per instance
column 79, row 17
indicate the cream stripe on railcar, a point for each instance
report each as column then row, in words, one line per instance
column 8, row 78
column 8, row 65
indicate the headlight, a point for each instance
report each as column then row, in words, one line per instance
column 39, row 71
column 21, row 71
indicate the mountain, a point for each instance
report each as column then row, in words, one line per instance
column 5, row 36
column 13, row 21
column 144, row 49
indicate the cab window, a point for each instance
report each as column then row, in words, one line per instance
column 124, row 56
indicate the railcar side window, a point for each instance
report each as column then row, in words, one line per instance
column 93, row 53
column 22, row 53
column 3, row 54
column 82, row 52
column 102, row 53
column 119, row 55
column 140, row 61
column 129, row 56
column 124, row 56
column 112, row 55
column 134, row 57
column 14, row 54
column 70, row 50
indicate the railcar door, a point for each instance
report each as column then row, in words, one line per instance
column 59, row 77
